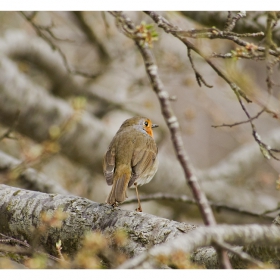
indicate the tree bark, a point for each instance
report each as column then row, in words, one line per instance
column 206, row 236
column 148, row 236
column 21, row 211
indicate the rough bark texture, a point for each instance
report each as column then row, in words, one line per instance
column 20, row 216
column 206, row 236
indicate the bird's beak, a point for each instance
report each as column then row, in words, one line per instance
column 155, row 125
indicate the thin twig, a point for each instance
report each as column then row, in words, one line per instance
column 88, row 31
column 244, row 55
column 163, row 23
column 242, row 122
column 29, row 250
column 197, row 74
column 191, row 201
column 214, row 33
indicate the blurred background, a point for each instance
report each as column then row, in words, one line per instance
column 69, row 79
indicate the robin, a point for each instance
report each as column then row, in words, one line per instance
column 131, row 159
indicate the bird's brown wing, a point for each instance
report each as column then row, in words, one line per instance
column 143, row 158
column 109, row 165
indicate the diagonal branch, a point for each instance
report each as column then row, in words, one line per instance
column 170, row 118
column 169, row 28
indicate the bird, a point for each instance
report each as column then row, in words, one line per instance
column 131, row 159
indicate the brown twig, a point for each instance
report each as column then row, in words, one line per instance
column 171, row 121
column 238, row 251
column 242, row 122
column 188, row 200
column 240, row 55
column 86, row 28
column 231, row 21
column 198, row 76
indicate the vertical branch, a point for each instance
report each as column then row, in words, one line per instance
column 170, row 118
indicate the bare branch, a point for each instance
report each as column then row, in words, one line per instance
column 163, row 23
column 185, row 199
column 169, row 28
column 231, row 21
column 268, row 236
column 197, row 75
column 242, row 122
column 85, row 27
column 171, row 120
column 242, row 255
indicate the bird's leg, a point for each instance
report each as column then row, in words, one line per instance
column 139, row 209
column 115, row 204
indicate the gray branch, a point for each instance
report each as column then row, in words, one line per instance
column 29, row 178
column 85, row 142
column 21, row 211
column 207, row 236
column 148, row 236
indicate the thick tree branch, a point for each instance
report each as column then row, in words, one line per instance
column 21, row 217
column 28, row 177
column 84, row 139
column 19, row 46
column 22, row 214
column 205, row 236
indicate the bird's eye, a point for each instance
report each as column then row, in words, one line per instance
column 146, row 123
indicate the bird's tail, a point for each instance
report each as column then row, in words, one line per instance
column 120, row 183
